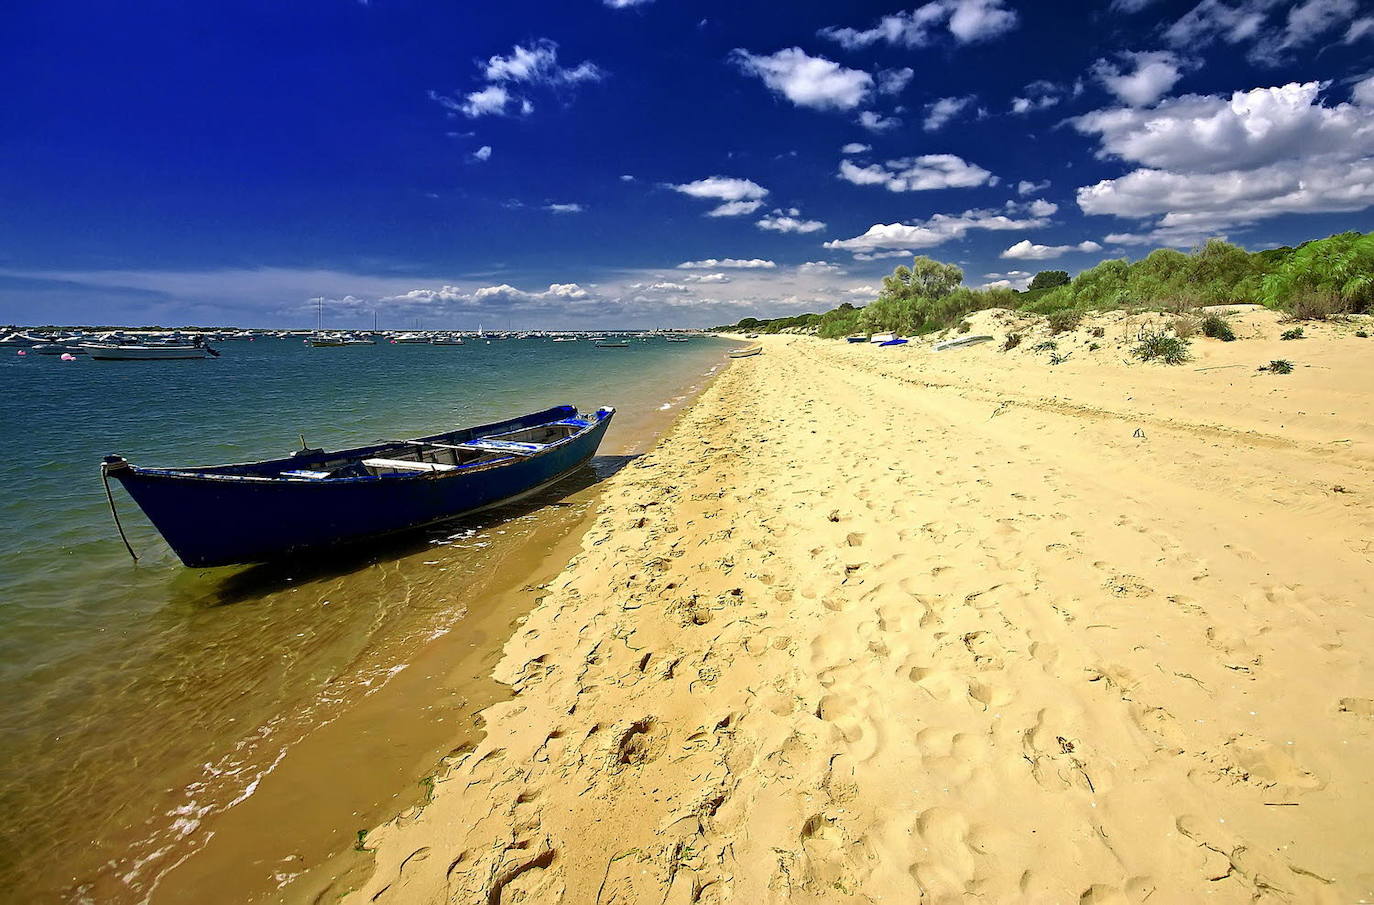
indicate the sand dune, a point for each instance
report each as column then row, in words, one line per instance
column 889, row 625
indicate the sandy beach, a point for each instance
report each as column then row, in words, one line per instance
column 892, row 625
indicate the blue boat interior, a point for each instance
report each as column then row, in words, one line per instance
column 464, row 450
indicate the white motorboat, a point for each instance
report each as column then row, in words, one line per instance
column 148, row 351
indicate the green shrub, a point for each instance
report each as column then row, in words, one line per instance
column 1217, row 327
column 1292, row 333
column 1342, row 265
column 1157, row 345
column 964, row 327
column 1065, row 320
column 1048, row 345
column 1279, row 366
column 1362, row 334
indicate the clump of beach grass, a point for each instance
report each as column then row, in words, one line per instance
column 1158, row 345
column 1048, row 345
column 1217, row 327
column 1011, row 342
column 1292, row 333
column 1278, row 366
column 1184, row 327
column 1317, row 305
column 1065, row 320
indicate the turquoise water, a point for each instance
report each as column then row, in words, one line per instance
column 128, row 684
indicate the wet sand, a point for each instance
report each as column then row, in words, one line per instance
column 272, row 712
column 890, row 625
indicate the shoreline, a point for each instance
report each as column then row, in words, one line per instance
column 894, row 625
column 403, row 731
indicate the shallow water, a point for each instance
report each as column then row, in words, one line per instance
column 144, row 699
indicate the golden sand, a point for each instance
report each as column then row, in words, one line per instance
column 891, row 625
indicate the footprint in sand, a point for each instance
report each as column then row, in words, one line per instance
column 1268, row 764
column 946, row 867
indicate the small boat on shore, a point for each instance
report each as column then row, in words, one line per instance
column 745, row 353
column 896, row 341
column 961, row 341
column 148, row 351
column 222, row 515
column 856, row 339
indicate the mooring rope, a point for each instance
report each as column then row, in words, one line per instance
column 105, row 477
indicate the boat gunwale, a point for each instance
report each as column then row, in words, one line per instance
column 194, row 473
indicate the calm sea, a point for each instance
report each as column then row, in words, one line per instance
column 140, row 698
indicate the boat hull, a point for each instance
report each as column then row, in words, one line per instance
column 145, row 353
column 218, row 519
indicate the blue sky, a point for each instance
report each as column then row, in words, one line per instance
column 604, row 163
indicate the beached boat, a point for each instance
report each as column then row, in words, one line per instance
column 745, row 353
column 897, row 341
column 856, row 339
column 959, row 341
column 148, row 351
column 225, row 514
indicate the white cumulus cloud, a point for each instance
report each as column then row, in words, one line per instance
column 807, row 81
column 523, row 68
column 918, row 174
column 728, row 264
column 967, row 21
column 937, row 230
column 1206, row 163
column 876, row 122
column 943, row 110
column 722, row 188
column 789, row 221
column 1026, row 250
column 1150, row 77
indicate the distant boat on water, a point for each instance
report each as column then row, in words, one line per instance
column 148, row 351
column 612, row 343
column 227, row 514
column 446, row 339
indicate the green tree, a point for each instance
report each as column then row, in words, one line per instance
column 1048, row 279
column 926, row 278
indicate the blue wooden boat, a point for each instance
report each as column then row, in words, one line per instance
column 221, row 515
column 893, row 342
column 856, row 339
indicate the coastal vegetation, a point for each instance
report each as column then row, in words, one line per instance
column 1317, row 280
